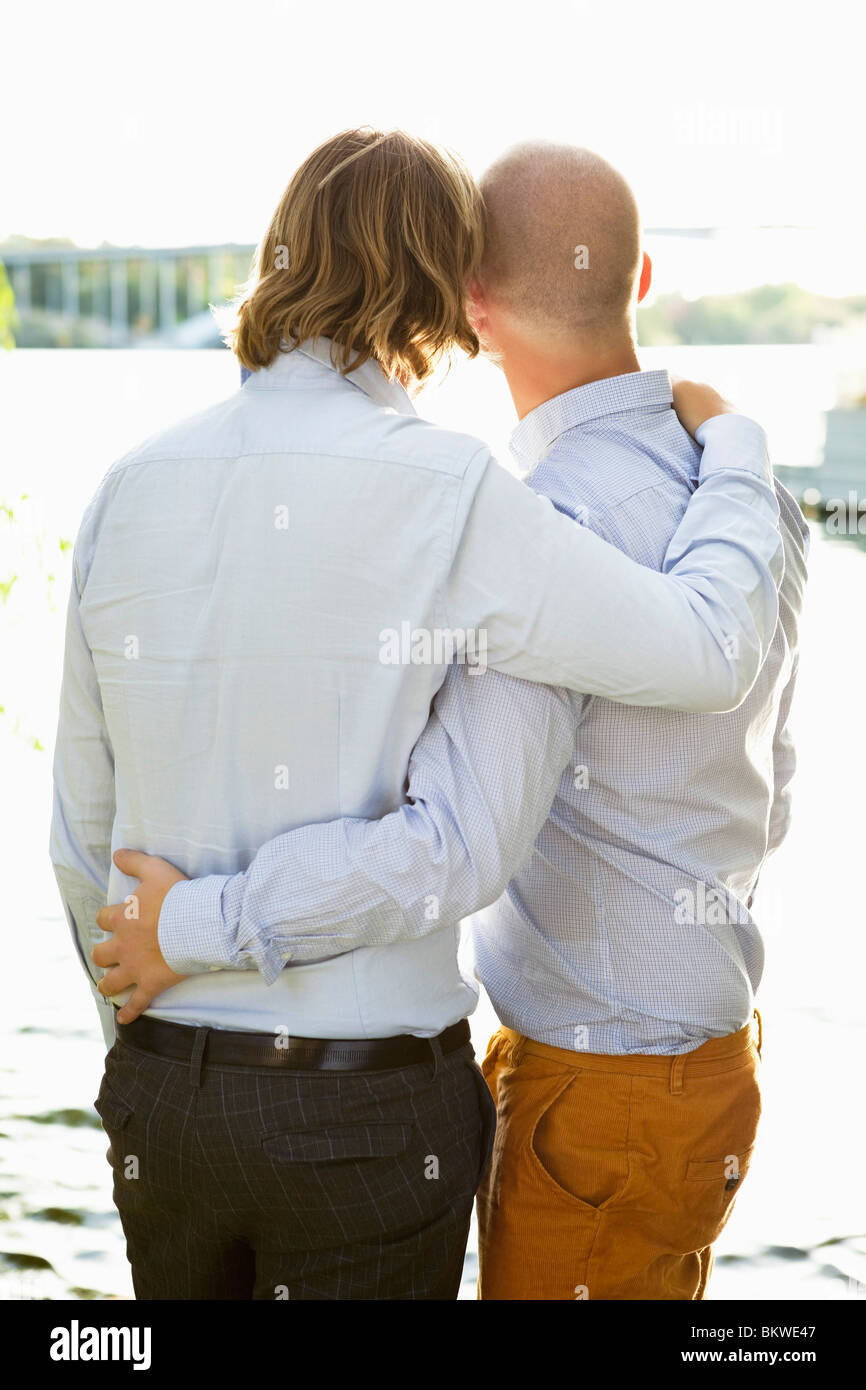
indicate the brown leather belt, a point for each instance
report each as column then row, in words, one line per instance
column 176, row 1041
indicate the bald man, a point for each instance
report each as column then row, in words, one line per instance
column 622, row 958
column 562, row 271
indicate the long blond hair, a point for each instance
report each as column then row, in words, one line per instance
column 372, row 245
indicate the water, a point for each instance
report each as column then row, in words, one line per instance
column 799, row 1227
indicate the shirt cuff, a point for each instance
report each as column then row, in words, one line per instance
column 195, row 935
column 192, row 933
column 738, row 443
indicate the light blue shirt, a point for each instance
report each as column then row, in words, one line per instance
column 628, row 929
column 231, row 673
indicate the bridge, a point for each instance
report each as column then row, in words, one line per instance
column 135, row 291
column 132, row 293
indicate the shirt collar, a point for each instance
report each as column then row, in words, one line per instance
column 369, row 377
column 541, row 428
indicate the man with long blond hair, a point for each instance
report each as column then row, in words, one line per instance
column 268, row 599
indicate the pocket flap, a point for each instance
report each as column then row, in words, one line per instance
column 339, row 1144
column 729, row 1170
column 113, row 1109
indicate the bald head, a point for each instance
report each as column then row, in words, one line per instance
column 563, row 240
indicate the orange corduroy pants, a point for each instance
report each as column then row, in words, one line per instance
column 612, row 1176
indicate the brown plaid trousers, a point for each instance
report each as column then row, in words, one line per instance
column 237, row 1182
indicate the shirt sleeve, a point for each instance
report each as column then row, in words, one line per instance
column 482, row 778
column 84, row 805
column 784, row 767
column 549, row 601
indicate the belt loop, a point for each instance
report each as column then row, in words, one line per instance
column 436, row 1049
column 196, row 1061
column 760, row 1032
column 678, row 1065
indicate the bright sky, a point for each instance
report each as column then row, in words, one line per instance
column 180, row 121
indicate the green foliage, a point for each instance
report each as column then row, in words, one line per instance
column 8, row 313
column 766, row 314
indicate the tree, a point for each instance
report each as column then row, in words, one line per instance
column 8, row 313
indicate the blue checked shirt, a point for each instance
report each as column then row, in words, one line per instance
column 612, row 823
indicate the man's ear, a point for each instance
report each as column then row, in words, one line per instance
column 476, row 305
column 646, row 275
